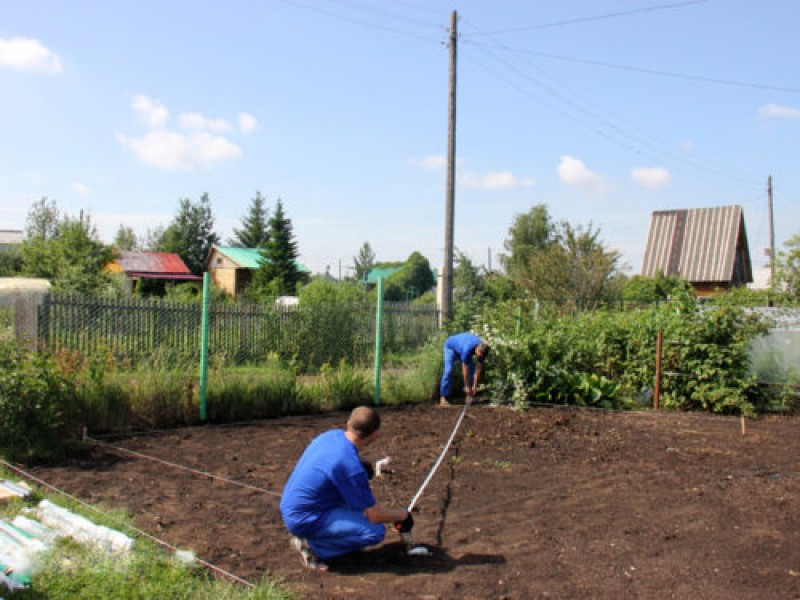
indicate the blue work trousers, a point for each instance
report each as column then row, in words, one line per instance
column 450, row 357
column 344, row 531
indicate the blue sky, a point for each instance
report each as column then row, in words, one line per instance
column 605, row 110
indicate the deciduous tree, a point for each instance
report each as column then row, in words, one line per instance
column 363, row 263
column 68, row 252
column 560, row 262
column 789, row 266
column 191, row 233
column 126, row 238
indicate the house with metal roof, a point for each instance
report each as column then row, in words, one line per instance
column 231, row 269
column 137, row 265
column 377, row 273
column 10, row 238
column 705, row 246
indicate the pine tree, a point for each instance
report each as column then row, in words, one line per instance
column 279, row 274
column 255, row 226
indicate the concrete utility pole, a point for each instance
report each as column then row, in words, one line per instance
column 771, row 237
column 450, row 194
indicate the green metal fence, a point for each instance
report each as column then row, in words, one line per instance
column 310, row 335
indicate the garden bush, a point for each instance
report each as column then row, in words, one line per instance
column 606, row 358
column 38, row 405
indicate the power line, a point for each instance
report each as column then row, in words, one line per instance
column 648, row 71
column 370, row 24
column 609, row 130
column 386, row 13
column 574, row 21
column 421, row 6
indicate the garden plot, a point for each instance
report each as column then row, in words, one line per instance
column 551, row 503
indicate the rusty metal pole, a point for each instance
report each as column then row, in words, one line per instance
column 657, row 388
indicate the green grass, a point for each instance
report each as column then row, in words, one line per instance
column 166, row 393
column 70, row 570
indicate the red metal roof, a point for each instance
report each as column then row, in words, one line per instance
column 162, row 265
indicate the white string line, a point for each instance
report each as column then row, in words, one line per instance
column 439, row 460
column 185, row 468
column 140, row 532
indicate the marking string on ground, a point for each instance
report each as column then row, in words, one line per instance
column 142, row 533
column 185, row 468
column 439, row 460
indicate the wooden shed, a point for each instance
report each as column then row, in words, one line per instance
column 165, row 266
column 231, row 269
column 705, row 246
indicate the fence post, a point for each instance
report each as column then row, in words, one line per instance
column 26, row 319
column 657, row 386
column 378, row 342
column 204, row 350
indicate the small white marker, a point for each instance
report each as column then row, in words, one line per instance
column 379, row 465
column 418, row 551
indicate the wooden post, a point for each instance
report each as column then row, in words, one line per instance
column 657, row 387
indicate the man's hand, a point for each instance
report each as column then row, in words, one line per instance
column 406, row 525
column 368, row 468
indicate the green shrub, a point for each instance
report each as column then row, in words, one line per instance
column 607, row 358
column 339, row 388
column 37, row 405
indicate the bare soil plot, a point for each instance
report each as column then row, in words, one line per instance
column 552, row 503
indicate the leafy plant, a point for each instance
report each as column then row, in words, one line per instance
column 606, row 358
column 37, row 405
column 340, row 388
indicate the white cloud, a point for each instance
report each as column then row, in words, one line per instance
column 573, row 172
column 83, row 190
column 22, row 54
column 777, row 111
column 197, row 121
column 429, row 163
column 197, row 145
column 651, row 177
column 152, row 112
column 247, row 123
column 171, row 150
column 493, row 181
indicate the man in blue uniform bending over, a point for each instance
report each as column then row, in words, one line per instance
column 469, row 349
column 327, row 504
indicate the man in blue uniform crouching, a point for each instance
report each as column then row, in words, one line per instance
column 327, row 503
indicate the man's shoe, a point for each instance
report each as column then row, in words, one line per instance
column 310, row 560
column 443, row 401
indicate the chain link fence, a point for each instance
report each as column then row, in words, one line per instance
column 310, row 335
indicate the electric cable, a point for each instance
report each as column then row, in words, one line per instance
column 602, row 17
column 647, row 71
column 362, row 22
column 633, row 142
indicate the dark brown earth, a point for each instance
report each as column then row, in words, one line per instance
column 552, row 503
